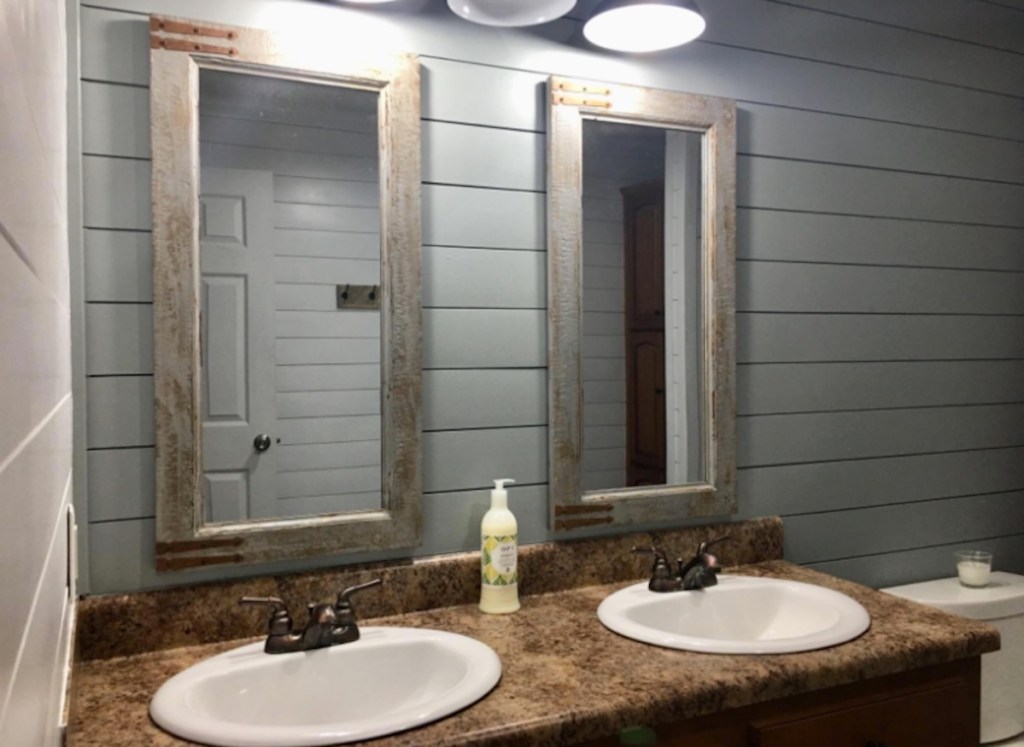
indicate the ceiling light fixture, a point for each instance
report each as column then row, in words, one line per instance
column 510, row 12
column 644, row 25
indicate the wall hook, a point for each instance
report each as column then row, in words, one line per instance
column 357, row 297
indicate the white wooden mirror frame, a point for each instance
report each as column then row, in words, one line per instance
column 179, row 48
column 572, row 101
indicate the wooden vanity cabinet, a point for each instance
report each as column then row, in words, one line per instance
column 927, row 707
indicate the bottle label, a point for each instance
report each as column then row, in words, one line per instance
column 498, row 560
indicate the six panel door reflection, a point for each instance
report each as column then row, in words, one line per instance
column 237, row 346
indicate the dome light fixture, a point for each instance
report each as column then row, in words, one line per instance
column 510, row 12
column 644, row 25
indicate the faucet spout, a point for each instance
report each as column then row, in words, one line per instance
column 319, row 631
column 702, row 570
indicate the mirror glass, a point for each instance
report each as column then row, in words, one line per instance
column 641, row 350
column 289, row 292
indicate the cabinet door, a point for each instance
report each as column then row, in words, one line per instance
column 942, row 715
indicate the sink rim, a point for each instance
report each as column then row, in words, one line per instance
column 853, row 620
column 170, row 710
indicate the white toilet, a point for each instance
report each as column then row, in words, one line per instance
column 1000, row 604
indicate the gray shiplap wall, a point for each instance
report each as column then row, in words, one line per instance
column 880, row 274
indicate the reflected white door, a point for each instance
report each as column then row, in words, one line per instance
column 238, row 360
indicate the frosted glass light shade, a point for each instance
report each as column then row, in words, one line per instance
column 644, row 26
column 510, row 12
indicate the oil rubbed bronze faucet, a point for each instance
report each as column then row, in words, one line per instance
column 328, row 625
column 699, row 572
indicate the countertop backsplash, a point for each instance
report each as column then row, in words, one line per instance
column 127, row 624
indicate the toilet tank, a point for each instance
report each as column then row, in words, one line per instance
column 1000, row 604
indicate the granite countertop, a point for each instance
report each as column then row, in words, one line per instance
column 566, row 678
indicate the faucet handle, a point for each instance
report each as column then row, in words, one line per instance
column 660, row 556
column 662, row 578
column 707, row 544
column 343, row 597
column 344, row 603
column 280, row 622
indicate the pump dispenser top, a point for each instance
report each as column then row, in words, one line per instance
column 499, row 496
column 499, row 578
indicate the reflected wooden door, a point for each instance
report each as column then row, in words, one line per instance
column 238, row 360
column 644, row 242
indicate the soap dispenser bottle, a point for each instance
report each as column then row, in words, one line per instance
column 499, row 579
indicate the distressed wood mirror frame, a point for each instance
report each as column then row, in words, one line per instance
column 571, row 102
column 179, row 49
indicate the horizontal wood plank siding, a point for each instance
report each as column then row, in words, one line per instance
column 766, row 389
column 824, row 337
column 1000, row 28
column 119, row 266
column 828, row 436
column 880, row 237
column 927, row 562
column 816, row 487
column 779, row 28
column 797, row 237
column 896, row 526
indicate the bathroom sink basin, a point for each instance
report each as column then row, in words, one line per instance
column 390, row 680
column 741, row 615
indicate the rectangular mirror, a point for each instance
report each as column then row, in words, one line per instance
column 286, row 298
column 641, row 297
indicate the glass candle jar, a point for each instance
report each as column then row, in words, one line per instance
column 973, row 567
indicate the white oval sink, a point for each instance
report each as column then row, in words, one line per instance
column 741, row 615
column 390, row 680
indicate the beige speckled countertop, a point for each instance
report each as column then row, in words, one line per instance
column 566, row 678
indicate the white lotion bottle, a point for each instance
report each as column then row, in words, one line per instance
column 499, row 549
